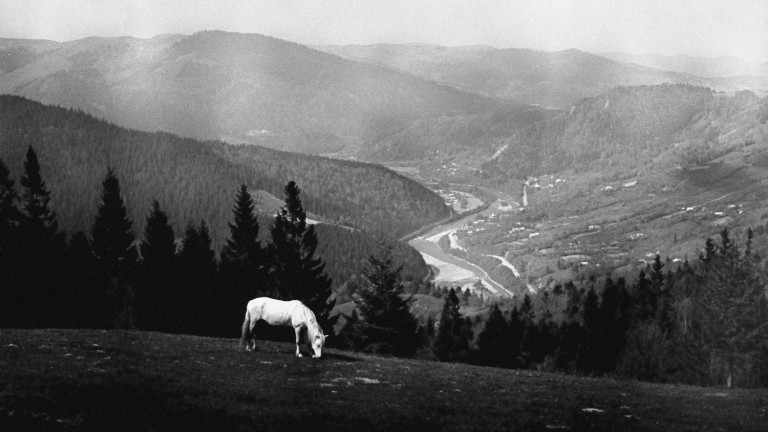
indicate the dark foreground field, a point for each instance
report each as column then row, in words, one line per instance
column 113, row 381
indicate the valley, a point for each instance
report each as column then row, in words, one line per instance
column 572, row 229
column 551, row 166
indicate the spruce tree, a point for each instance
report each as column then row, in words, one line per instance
column 112, row 243
column 242, row 257
column 495, row 341
column 10, row 245
column 388, row 326
column 156, row 302
column 87, row 300
column 243, row 268
column 197, row 273
column 449, row 328
column 298, row 274
column 41, row 250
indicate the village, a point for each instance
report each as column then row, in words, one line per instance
column 568, row 247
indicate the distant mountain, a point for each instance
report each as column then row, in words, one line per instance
column 548, row 79
column 195, row 180
column 237, row 87
column 710, row 67
column 631, row 129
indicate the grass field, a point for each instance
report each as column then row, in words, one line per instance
column 135, row 381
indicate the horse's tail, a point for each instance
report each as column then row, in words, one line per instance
column 245, row 334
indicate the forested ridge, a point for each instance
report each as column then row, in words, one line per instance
column 195, row 180
column 627, row 128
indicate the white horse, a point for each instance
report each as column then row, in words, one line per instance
column 285, row 313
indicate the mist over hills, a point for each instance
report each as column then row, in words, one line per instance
column 548, row 79
column 237, row 87
column 699, row 66
column 384, row 103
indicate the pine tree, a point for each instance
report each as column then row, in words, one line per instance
column 156, row 303
column 733, row 313
column 446, row 342
column 495, row 342
column 242, row 257
column 87, row 305
column 112, row 243
column 298, row 274
column 36, row 197
column 710, row 250
column 243, row 269
column 197, row 273
column 10, row 245
column 388, row 326
column 10, row 216
column 41, row 251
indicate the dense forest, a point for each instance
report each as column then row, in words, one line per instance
column 195, row 181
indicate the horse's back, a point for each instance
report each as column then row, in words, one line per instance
column 273, row 311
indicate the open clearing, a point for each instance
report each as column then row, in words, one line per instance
column 113, row 380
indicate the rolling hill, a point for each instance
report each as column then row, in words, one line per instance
column 237, row 87
column 548, row 79
column 195, row 180
column 699, row 66
column 625, row 175
column 631, row 128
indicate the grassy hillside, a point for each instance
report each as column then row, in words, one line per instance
column 111, row 380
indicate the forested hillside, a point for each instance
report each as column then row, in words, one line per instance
column 195, row 180
column 236, row 87
column 629, row 128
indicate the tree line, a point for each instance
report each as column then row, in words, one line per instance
column 108, row 278
column 705, row 323
column 193, row 181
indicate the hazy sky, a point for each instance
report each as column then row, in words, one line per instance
column 697, row 27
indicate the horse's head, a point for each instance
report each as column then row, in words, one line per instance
column 317, row 344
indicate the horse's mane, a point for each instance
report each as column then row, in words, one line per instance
column 308, row 317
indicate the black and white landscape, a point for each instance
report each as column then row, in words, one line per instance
column 557, row 216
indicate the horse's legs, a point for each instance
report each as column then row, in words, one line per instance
column 298, row 338
column 250, row 344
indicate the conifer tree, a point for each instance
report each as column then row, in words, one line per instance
column 197, row 273
column 243, row 269
column 36, row 197
column 495, row 341
column 298, row 274
column 41, row 249
column 242, row 257
column 388, row 326
column 10, row 244
column 112, row 243
column 733, row 313
column 156, row 291
column 449, row 328
column 87, row 302
column 10, row 216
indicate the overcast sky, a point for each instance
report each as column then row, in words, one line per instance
column 736, row 28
